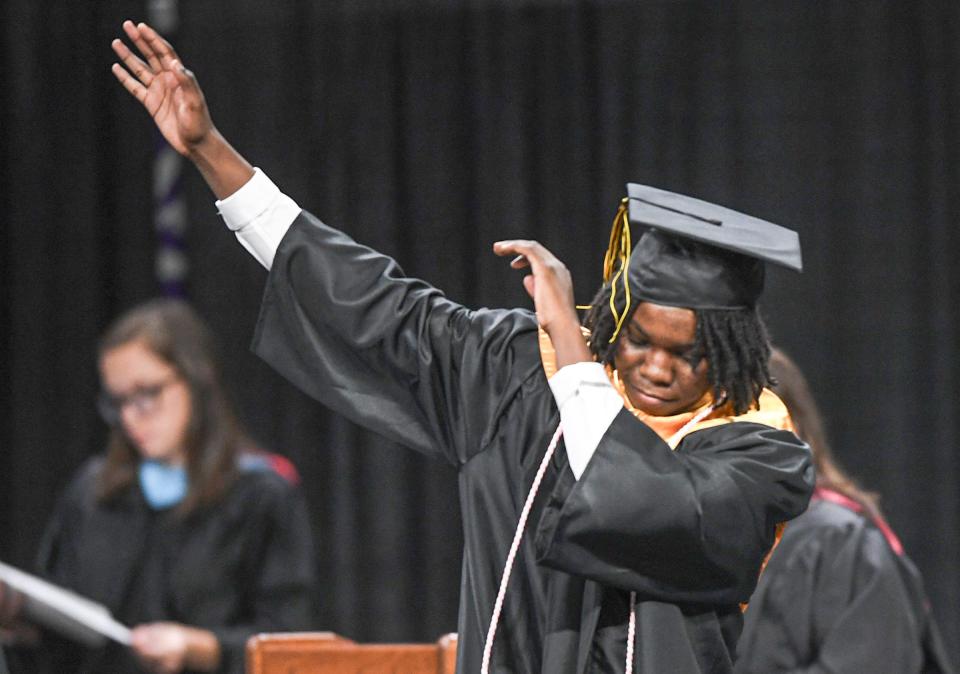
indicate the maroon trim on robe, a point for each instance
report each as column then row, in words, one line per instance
column 825, row 494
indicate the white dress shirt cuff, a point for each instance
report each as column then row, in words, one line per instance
column 260, row 215
column 588, row 405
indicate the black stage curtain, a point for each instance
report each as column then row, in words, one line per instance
column 430, row 129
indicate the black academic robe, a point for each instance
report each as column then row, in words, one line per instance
column 837, row 599
column 687, row 530
column 243, row 566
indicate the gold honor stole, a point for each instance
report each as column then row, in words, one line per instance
column 769, row 411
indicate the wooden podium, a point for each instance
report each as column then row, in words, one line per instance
column 328, row 653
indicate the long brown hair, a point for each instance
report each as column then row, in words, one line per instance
column 174, row 332
column 793, row 389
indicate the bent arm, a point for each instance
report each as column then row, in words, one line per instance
column 687, row 526
column 347, row 326
column 588, row 404
column 340, row 320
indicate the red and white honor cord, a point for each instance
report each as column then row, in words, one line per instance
column 518, row 536
column 511, row 556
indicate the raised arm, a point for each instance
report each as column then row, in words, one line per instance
column 172, row 97
column 343, row 322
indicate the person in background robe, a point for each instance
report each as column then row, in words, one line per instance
column 183, row 529
column 649, row 514
column 839, row 594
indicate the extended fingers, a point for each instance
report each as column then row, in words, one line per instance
column 135, row 33
column 133, row 64
column 159, row 54
column 129, row 82
column 160, row 47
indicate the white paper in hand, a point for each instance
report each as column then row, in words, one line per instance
column 72, row 615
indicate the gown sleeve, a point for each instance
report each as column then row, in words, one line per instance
column 344, row 324
column 836, row 605
column 685, row 526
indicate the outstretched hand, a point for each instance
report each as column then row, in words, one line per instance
column 551, row 288
column 167, row 90
column 171, row 95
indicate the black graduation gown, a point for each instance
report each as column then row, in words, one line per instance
column 241, row 567
column 687, row 529
column 835, row 598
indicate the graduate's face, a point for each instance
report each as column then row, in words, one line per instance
column 657, row 361
column 150, row 398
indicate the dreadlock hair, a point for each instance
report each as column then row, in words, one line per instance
column 599, row 320
column 735, row 343
column 737, row 348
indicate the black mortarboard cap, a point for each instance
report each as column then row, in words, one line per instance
column 699, row 255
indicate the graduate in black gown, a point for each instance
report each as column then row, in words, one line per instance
column 648, row 521
column 839, row 594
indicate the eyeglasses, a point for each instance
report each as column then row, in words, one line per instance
column 143, row 399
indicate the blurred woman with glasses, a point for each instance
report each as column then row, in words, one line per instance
column 183, row 529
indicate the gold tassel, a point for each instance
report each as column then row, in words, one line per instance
column 618, row 250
